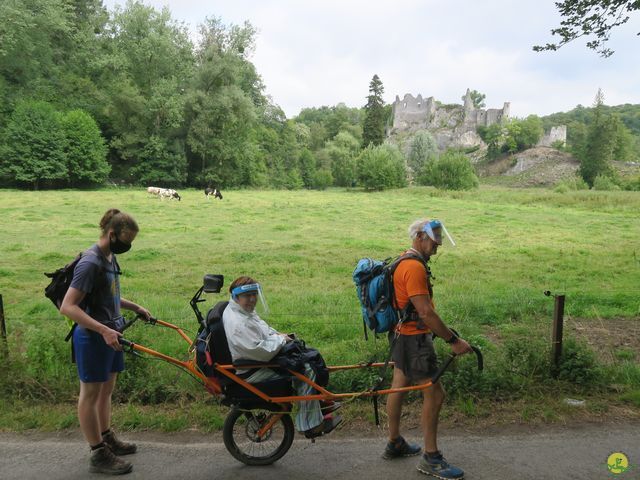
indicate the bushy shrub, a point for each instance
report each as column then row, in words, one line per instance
column 561, row 187
column 35, row 146
column 422, row 150
column 571, row 184
column 578, row 365
column 85, row 149
column 321, row 179
column 527, row 357
column 452, row 171
column 381, row 167
column 631, row 184
column 604, row 183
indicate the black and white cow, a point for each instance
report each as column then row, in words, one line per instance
column 163, row 193
column 169, row 193
column 213, row 192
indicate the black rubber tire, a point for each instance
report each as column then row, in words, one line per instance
column 238, row 435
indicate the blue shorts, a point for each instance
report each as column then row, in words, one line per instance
column 95, row 359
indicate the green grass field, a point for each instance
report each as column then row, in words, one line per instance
column 302, row 246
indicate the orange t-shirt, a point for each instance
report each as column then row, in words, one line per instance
column 409, row 280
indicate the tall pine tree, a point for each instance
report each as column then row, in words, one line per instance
column 601, row 143
column 373, row 130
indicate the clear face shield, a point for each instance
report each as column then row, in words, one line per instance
column 251, row 298
column 437, row 232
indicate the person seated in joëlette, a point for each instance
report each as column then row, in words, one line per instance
column 251, row 338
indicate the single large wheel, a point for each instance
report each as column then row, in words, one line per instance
column 240, row 435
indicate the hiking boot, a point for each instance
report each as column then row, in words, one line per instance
column 104, row 461
column 118, row 447
column 438, row 467
column 400, row 448
column 327, row 425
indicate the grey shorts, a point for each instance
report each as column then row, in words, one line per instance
column 415, row 356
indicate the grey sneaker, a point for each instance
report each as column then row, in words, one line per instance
column 400, row 448
column 117, row 446
column 327, row 426
column 438, row 467
column 104, row 461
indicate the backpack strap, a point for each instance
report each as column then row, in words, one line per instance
column 409, row 308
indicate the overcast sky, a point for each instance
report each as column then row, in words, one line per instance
column 312, row 53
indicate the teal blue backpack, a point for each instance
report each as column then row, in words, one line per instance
column 374, row 287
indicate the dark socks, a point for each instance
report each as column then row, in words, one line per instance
column 433, row 455
column 106, row 431
column 96, row 447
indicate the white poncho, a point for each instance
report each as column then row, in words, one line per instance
column 249, row 337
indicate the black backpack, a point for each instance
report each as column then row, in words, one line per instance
column 61, row 281
column 211, row 344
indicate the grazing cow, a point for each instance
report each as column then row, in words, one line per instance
column 163, row 193
column 213, row 192
column 169, row 193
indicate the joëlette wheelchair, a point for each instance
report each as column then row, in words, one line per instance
column 258, row 429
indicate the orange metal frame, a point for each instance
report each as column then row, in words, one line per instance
column 213, row 386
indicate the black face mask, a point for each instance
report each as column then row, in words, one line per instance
column 118, row 246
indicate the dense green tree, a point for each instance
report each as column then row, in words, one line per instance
column 33, row 34
column 85, row 149
column 50, row 50
column 322, row 179
column 577, row 133
column 531, row 132
column 522, row 134
column 381, row 167
column 512, row 136
column 423, row 149
column 308, row 167
column 374, row 115
column 146, row 65
column 625, row 144
column 494, row 136
column 601, row 144
column 342, row 151
column 591, row 18
column 318, row 135
column 326, row 122
column 35, row 142
column 160, row 164
column 225, row 107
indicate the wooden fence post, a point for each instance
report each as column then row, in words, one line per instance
column 3, row 332
column 558, row 320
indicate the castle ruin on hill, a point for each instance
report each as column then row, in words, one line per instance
column 453, row 125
